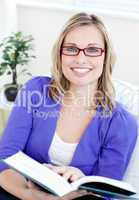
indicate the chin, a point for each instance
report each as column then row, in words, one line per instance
column 81, row 82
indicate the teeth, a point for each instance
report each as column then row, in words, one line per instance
column 81, row 70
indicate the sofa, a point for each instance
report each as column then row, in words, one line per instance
column 128, row 95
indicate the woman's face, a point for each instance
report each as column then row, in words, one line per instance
column 81, row 69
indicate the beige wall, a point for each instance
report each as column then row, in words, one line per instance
column 44, row 24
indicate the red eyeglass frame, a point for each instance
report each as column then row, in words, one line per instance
column 102, row 51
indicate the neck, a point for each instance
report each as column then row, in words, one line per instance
column 82, row 96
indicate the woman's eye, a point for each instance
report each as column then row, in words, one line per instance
column 92, row 49
column 72, row 49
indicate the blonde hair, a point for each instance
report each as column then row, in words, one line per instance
column 60, row 84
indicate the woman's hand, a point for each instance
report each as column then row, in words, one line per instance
column 37, row 194
column 69, row 173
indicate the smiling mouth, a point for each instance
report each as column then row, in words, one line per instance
column 81, row 70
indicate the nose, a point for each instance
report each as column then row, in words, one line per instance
column 81, row 58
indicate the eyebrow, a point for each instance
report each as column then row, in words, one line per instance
column 69, row 43
column 90, row 44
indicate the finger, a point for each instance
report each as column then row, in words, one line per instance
column 94, row 194
column 52, row 167
column 48, row 165
column 67, row 175
column 74, row 177
column 59, row 169
column 31, row 185
column 74, row 194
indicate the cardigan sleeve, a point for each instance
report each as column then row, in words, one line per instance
column 118, row 145
column 19, row 125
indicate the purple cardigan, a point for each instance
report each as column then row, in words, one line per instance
column 104, row 149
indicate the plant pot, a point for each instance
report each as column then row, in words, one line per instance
column 11, row 91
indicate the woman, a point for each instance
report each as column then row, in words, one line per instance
column 71, row 121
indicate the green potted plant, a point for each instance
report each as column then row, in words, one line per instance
column 15, row 50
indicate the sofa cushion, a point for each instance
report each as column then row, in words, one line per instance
column 128, row 95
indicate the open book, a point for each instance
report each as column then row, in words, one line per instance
column 57, row 185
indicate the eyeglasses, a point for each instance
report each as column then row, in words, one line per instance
column 89, row 51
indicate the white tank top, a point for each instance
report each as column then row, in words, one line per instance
column 60, row 152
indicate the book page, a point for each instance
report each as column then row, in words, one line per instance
column 42, row 175
column 100, row 179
